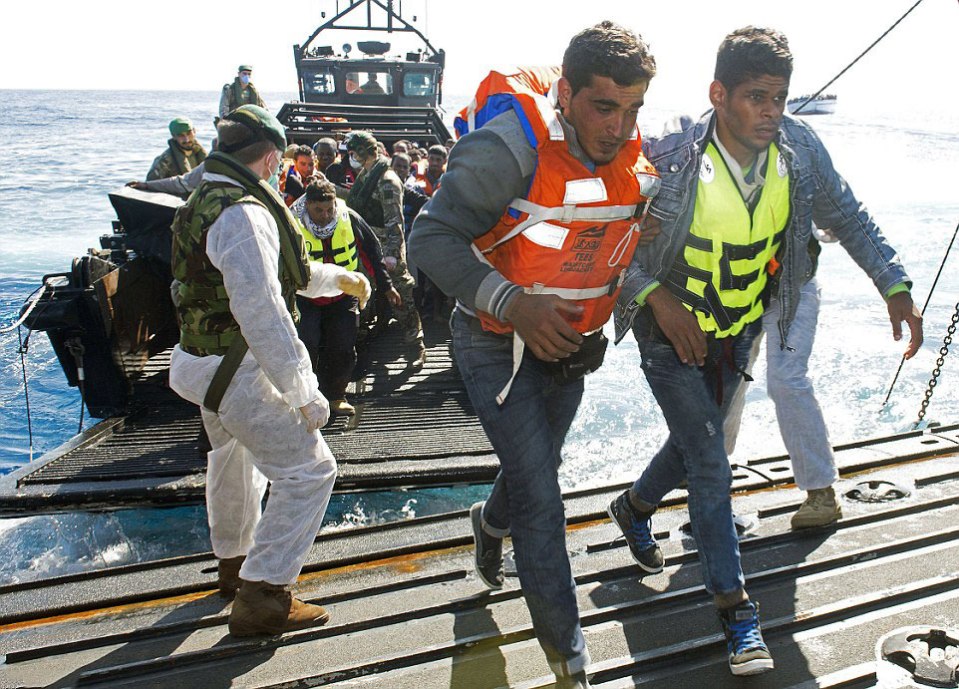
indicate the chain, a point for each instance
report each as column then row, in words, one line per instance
column 943, row 351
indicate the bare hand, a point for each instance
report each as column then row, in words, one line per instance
column 390, row 262
column 651, row 228
column 901, row 308
column 356, row 285
column 137, row 185
column 679, row 325
column 316, row 414
column 542, row 320
column 393, row 297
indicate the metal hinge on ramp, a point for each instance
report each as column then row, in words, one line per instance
column 930, row 655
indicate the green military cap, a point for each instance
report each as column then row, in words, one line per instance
column 259, row 121
column 244, row 68
column 361, row 141
column 180, row 125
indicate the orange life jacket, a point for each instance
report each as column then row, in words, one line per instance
column 493, row 94
column 574, row 233
column 423, row 181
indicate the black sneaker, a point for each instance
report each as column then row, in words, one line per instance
column 488, row 553
column 748, row 653
column 637, row 528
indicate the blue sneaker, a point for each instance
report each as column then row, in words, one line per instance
column 748, row 654
column 637, row 527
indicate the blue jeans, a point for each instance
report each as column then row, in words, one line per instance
column 527, row 432
column 694, row 401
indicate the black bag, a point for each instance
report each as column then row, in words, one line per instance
column 592, row 352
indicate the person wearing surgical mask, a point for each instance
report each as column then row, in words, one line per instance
column 240, row 265
column 240, row 92
column 377, row 195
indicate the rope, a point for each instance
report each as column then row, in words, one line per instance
column 47, row 285
column 861, row 55
column 26, row 390
column 921, row 313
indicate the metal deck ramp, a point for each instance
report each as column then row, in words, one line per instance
column 412, row 428
column 409, row 612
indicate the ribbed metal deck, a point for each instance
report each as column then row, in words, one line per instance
column 412, row 427
column 409, row 612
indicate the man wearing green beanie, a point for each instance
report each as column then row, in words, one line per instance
column 238, row 262
column 183, row 153
column 240, row 92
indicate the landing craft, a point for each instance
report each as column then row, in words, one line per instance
column 393, row 96
column 873, row 602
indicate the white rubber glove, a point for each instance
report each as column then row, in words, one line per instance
column 316, row 413
column 356, row 285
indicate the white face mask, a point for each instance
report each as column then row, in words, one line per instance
column 354, row 163
column 245, row 79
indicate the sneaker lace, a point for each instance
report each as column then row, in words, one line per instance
column 641, row 532
column 745, row 635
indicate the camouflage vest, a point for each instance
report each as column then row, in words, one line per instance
column 361, row 197
column 206, row 324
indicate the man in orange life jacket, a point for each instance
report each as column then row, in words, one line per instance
column 547, row 197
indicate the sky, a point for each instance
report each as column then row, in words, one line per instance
column 119, row 44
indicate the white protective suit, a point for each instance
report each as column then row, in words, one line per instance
column 259, row 434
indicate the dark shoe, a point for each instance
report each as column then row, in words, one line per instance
column 637, row 527
column 488, row 553
column 748, row 654
column 266, row 609
column 228, row 575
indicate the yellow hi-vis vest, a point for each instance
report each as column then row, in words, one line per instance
column 340, row 248
column 722, row 272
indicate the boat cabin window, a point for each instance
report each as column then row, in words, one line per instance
column 419, row 84
column 369, row 83
column 319, row 83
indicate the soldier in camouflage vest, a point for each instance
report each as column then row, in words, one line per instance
column 377, row 195
column 239, row 261
column 182, row 155
column 240, row 92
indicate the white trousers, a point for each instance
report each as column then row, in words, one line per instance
column 256, row 438
column 800, row 418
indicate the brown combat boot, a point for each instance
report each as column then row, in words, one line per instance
column 228, row 575
column 266, row 609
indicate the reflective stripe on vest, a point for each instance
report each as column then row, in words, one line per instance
column 721, row 273
column 340, row 248
column 575, row 231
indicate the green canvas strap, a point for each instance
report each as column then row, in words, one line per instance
column 224, row 374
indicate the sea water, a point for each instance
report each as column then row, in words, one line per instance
column 64, row 151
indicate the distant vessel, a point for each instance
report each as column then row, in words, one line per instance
column 824, row 104
column 393, row 97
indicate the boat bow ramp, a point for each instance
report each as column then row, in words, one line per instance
column 408, row 611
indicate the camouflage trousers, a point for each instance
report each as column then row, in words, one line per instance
column 406, row 314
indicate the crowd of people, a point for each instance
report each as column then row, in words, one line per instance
column 542, row 224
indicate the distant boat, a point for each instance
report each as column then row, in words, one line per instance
column 820, row 105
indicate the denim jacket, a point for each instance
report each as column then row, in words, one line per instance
column 817, row 194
